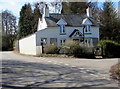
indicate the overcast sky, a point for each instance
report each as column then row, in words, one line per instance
column 15, row 5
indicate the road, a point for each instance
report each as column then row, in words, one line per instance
column 28, row 71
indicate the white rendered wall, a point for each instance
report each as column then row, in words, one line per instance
column 28, row 45
column 54, row 32
column 95, row 32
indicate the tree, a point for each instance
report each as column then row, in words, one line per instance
column 8, row 23
column 109, row 24
column 66, row 7
column 95, row 10
column 25, row 21
column 8, row 30
column 74, row 7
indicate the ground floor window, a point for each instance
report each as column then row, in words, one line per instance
column 53, row 41
column 43, row 41
column 62, row 41
column 87, row 41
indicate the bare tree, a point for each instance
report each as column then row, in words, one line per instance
column 9, row 29
column 9, row 23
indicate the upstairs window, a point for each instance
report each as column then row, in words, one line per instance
column 87, row 28
column 62, row 29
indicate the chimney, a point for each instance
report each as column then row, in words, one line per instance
column 46, row 11
column 89, row 11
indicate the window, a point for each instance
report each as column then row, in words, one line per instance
column 62, row 41
column 62, row 29
column 44, row 41
column 87, row 41
column 53, row 41
column 87, row 28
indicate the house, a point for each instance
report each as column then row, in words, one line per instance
column 59, row 28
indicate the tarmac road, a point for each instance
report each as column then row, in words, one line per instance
column 28, row 71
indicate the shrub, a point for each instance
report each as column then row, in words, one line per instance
column 88, row 52
column 115, row 72
column 109, row 48
column 76, row 49
column 72, row 48
column 51, row 49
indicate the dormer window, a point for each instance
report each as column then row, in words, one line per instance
column 87, row 28
column 61, row 23
column 62, row 29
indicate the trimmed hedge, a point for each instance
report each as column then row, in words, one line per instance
column 109, row 48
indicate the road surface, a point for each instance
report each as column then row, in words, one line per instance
column 28, row 71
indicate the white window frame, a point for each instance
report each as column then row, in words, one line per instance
column 62, row 41
column 44, row 40
column 62, row 29
column 88, row 41
column 87, row 29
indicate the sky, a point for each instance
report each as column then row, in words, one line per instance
column 15, row 5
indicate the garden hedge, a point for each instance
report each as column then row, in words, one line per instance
column 110, row 48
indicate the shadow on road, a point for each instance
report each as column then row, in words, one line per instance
column 24, row 74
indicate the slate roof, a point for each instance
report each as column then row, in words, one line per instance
column 71, row 19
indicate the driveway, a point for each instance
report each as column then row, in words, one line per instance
column 28, row 71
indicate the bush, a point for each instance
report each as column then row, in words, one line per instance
column 88, row 52
column 72, row 48
column 76, row 49
column 109, row 48
column 51, row 49
column 115, row 72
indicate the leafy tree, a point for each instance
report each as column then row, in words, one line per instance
column 25, row 21
column 109, row 24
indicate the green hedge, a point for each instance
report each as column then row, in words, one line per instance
column 109, row 48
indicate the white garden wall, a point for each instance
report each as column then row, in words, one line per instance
column 27, row 45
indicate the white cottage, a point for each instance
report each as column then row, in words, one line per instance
column 60, row 28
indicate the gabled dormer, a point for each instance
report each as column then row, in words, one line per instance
column 62, row 24
column 87, row 25
column 87, row 21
